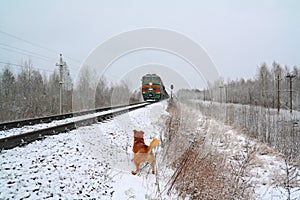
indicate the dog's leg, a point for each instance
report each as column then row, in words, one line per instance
column 137, row 165
column 153, row 164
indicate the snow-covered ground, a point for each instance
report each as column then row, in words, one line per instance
column 29, row 128
column 265, row 168
column 95, row 162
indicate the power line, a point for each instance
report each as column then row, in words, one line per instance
column 37, row 45
column 24, row 50
column 26, row 41
column 18, row 65
column 33, row 54
column 38, row 56
column 73, row 60
column 11, row 50
column 6, row 63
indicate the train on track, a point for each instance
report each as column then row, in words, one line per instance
column 153, row 88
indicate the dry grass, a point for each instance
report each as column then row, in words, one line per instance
column 200, row 172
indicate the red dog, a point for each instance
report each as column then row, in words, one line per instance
column 142, row 152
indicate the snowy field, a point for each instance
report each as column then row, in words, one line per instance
column 95, row 162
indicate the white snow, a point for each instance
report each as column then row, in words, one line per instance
column 92, row 162
column 266, row 166
column 95, row 162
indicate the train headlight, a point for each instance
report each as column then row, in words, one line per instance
column 150, row 83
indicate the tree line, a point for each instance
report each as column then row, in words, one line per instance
column 269, row 88
column 29, row 93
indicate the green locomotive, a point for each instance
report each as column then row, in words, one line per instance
column 153, row 88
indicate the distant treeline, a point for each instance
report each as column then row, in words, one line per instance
column 269, row 88
column 29, row 94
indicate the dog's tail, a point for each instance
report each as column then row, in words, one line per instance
column 153, row 143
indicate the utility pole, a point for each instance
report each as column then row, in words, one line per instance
column 221, row 87
column 61, row 65
column 172, row 87
column 278, row 93
column 291, row 91
column 226, row 94
column 250, row 97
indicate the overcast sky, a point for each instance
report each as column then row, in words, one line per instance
column 237, row 35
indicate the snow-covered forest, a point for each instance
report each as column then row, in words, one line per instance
column 30, row 93
column 269, row 88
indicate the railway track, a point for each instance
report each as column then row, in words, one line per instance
column 92, row 116
column 25, row 122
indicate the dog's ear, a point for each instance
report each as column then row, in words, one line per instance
column 135, row 133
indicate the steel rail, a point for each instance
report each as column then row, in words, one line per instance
column 32, row 121
column 26, row 138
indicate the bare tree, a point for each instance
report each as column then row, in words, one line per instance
column 120, row 93
column 8, row 90
column 84, row 94
column 37, row 93
column 103, row 93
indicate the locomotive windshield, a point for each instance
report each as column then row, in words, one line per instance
column 147, row 79
column 155, row 79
